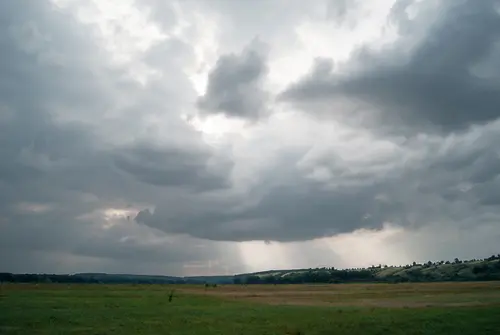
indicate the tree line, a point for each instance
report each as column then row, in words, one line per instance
column 86, row 279
column 456, row 270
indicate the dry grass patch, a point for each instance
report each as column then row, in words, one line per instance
column 375, row 295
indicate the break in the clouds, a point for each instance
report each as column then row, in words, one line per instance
column 187, row 138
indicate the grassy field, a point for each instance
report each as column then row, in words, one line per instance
column 437, row 308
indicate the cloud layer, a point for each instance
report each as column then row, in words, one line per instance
column 155, row 137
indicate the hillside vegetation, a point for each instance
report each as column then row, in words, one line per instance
column 457, row 270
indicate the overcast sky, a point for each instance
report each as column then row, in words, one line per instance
column 202, row 137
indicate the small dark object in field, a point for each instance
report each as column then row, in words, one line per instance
column 171, row 296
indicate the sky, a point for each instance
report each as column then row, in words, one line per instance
column 213, row 137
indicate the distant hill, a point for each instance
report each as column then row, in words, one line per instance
column 106, row 278
column 457, row 270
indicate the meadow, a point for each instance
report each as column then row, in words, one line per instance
column 426, row 308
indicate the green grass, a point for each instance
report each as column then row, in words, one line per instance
column 95, row 309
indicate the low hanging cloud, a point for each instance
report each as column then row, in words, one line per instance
column 427, row 180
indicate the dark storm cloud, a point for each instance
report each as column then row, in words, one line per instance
column 299, row 209
column 57, row 165
column 159, row 166
column 435, row 87
column 436, row 179
column 235, row 85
